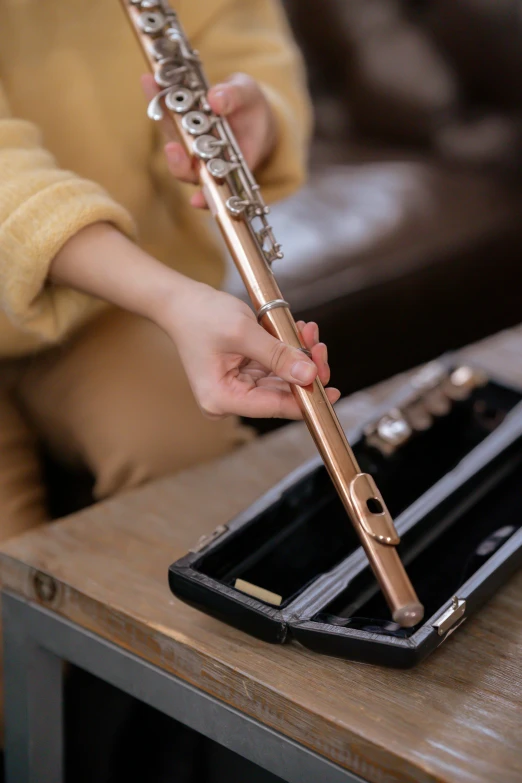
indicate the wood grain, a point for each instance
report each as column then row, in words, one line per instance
column 456, row 718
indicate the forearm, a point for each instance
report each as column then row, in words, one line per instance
column 102, row 262
column 222, row 347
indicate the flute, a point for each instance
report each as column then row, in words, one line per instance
column 237, row 206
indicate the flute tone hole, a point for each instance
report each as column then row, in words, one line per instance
column 374, row 506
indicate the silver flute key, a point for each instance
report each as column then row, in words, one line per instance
column 183, row 89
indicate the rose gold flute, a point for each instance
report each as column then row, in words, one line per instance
column 236, row 204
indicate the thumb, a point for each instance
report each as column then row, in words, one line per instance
column 288, row 363
column 238, row 92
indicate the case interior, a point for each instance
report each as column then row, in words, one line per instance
column 305, row 533
column 437, row 569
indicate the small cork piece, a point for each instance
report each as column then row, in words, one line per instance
column 258, row 592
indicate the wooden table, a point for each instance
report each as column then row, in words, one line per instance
column 93, row 589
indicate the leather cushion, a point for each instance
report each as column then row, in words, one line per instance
column 483, row 41
column 355, row 226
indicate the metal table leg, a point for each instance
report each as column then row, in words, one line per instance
column 37, row 640
column 33, row 680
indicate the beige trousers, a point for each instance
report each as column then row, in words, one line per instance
column 114, row 399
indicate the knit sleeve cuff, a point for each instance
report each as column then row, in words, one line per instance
column 30, row 239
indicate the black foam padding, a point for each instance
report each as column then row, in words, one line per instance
column 306, row 532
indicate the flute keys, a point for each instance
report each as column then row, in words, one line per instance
column 180, row 100
column 195, row 123
column 169, row 73
column 155, row 109
column 394, row 429
column 389, row 433
column 164, row 48
column 431, row 381
column 236, row 206
column 220, row 168
column 437, row 402
column 437, row 390
column 417, row 415
column 151, row 22
column 463, row 381
column 206, row 147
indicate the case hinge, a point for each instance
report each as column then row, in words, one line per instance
column 450, row 616
column 204, row 541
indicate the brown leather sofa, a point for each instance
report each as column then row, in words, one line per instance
column 407, row 240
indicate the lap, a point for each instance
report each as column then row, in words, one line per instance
column 116, row 398
column 22, row 494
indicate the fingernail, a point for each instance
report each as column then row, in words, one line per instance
column 304, row 372
column 316, row 334
column 324, row 351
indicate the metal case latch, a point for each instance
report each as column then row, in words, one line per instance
column 450, row 616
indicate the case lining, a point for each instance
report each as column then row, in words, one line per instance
column 305, row 533
column 442, row 567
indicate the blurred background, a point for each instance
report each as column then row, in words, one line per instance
column 407, row 240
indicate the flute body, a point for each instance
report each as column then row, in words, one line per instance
column 237, row 206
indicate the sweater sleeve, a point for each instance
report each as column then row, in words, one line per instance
column 41, row 207
column 253, row 37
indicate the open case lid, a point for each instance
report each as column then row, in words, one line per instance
column 457, row 514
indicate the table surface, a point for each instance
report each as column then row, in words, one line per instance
column 457, row 717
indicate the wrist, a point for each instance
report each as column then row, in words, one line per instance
column 101, row 261
column 177, row 298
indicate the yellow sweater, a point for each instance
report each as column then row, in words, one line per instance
column 76, row 145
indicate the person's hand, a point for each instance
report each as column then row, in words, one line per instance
column 241, row 100
column 234, row 366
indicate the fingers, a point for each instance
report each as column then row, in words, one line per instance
column 238, row 92
column 333, row 394
column 198, row 200
column 179, row 163
column 149, row 86
column 266, row 403
column 320, row 359
column 310, row 334
column 271, row 397
column 288, row 363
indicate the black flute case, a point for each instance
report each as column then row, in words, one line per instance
column 455, row 493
